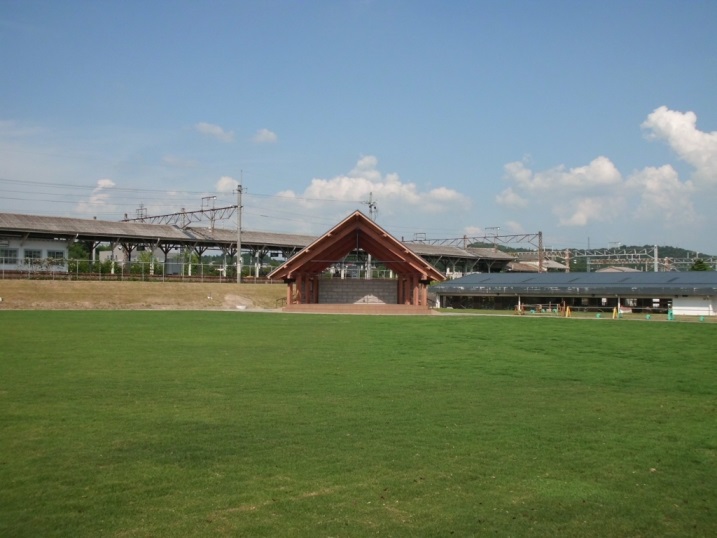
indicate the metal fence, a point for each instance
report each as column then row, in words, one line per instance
column 157, row 271
column 154, row 271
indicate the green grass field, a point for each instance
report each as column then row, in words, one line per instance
column 138, row 424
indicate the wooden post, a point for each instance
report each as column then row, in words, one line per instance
column 299, row 289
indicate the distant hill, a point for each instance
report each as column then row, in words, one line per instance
column 673, row 252
column 581, row 264
column 502, row 248
column 662, row 251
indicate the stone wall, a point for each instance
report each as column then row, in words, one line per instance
column 358, row 291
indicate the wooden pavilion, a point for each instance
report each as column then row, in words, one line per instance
column 313, row 276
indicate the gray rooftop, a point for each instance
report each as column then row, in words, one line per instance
column 103, row 230
column 437, row 251
column 109, row 231
column 62, row 226
column 583, row 284
column 253, row 237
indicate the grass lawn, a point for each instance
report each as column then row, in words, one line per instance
column 137, row 424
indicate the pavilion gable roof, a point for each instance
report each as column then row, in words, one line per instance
column 356, row 231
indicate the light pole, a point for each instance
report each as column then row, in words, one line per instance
column 239, row 193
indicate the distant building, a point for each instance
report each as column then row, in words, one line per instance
column 23, row 254
column 683, row 293
column 534, row 266
column 618, row 270
column 530, row 262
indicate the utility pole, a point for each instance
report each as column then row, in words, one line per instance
column 372, row 211
column 541, row 252
column 588, row 255
column 372, row 207
column 567, row 260
column 141, row 213
column 240, row 188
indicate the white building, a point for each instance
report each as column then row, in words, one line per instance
column 20, row 254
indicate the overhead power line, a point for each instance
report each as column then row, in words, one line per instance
column 115, row 188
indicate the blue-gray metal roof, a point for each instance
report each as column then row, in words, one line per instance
column 583, row 284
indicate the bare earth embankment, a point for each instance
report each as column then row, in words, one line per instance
column 64, row 295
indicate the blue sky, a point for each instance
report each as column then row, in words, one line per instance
column 588, row 121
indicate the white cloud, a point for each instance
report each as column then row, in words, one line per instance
column 392, row 194
column 597, row 192
column 577, row 196
column 403, row 207
column 662, row 195
column 514, row 227
column 511, row 199
column 585, row 210
column 265, row 136
column 679, row 130
column 226, row 184
column 444, row 194
column 656, row 194
column 214, row 131
column 601, row 172
column 98, row 200
column 472, row 231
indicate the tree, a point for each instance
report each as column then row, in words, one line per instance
column 700, row 265
column 78, row 251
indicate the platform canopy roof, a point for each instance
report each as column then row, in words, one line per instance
column 76, row 229
column 357, row 232
column 41, row 227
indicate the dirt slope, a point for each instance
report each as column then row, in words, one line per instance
column 63, row 295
